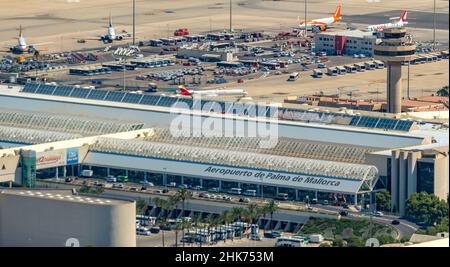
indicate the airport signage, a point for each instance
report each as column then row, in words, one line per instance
column 283, row 179
column 224, row 173
column 72, row 156
column 50, row 159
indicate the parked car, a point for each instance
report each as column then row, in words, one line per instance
column 146, row 183
column 172, row 184
column 197, row 187
column 255, row 237
column 69, row 180
column 343, row 213
column 142, row 231
column 395, row 222
column 118, row 186
column 273, row 234
column 133, row 189
column 377, row 214
column 155, row 230
column 325, row 202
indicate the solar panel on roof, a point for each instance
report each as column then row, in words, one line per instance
column 97, row 94
column 114, row 96
column 149, row 100
column 132, row 98
column 30, row 87
column 63, row 90
column 80, row 92
column 46, row 89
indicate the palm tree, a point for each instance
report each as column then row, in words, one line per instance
column 165, row 206
column 226, row 217
column 238, row 213
column 177, row 228
column 181, row 196
column 271, row 207
column 162, row 225
column 197, row 223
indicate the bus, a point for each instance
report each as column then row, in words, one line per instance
column 293, row 77
column 292, row 242
column 122, row 178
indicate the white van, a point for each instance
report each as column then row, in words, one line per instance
column 250, row 193
column 111, row 179
column 293, row 77
column 235, row 191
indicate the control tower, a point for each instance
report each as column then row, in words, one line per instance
column 396, row 47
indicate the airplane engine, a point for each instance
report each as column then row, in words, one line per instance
column 119, row 37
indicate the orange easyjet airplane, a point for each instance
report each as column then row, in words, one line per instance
column 322, row 24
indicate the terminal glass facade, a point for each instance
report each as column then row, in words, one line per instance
column 425, row 177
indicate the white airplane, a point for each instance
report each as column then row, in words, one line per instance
column 230, row 92
column 111, row 35
column 323, row 23
column 22, row 47
column 395, row 23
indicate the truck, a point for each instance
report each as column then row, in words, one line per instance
column 181, row 32
column 87, row 173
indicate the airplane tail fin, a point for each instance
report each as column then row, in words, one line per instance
column 403, row 18
column 110, row 20
column 337, row 13
column 20, row 31
column 184, row 91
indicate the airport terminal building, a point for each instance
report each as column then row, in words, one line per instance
column 50, row 130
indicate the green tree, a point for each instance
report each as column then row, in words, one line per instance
column 338, row 243
column 226, row 218
column 182, row 196
column 237, row 214
column 443, row 91
column 383, row 200
column 386, row 239
column 271, row 208
column 165, row 206
column 141, row 206
column 355, row 241
column 162, row 224
column 428, row 208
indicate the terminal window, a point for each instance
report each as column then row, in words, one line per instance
column 425, row 177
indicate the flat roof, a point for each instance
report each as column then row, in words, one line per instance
column 349, row 33
column 64, row 196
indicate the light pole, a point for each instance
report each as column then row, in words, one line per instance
column 231, row 16
column 434, row 25
column 134, row 22
column 306, row 18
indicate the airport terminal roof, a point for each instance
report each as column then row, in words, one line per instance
column 238, row 159
column 78, row 126
column 32, row 136
column 249, row 109
column 281, row 146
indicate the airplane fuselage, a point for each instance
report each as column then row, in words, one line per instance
column 381, row 27
column 238, row 92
